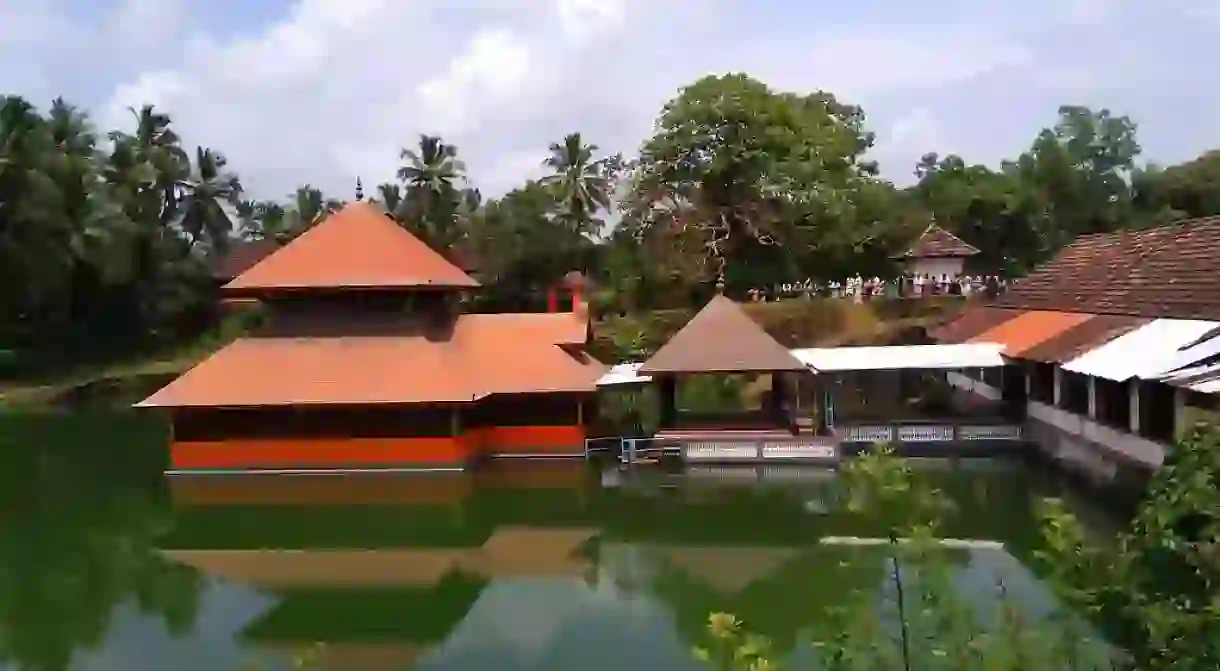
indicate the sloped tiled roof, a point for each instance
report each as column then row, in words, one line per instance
column 936, row 242
column 971, row 322
column 1170, row 272
column 1030, row 329
column 721, row 338
column 1079, row 339
column 242, row 256
column 507, row 354
column 356, row 247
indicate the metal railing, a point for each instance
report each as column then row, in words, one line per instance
column 925, row 432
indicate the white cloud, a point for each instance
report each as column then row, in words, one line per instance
column 324, row 90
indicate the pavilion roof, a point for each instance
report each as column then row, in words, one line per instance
column 479, row 356
column 357, row 247
column 721, row 338
column 936, row 242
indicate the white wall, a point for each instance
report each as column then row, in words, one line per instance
column 935, row 267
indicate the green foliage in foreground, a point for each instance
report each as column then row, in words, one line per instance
column 924, row 626
column 1159, row 589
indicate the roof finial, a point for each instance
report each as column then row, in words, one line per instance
column 359, row 190
column 720, row 285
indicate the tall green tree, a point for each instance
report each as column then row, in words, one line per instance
column 431, row 175
column 580, row 182
column 754, row 177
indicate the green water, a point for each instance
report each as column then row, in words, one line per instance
column 105, row 564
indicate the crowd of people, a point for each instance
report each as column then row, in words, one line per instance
column 904, row 286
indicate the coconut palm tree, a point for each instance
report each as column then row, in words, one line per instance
column 205, row 199
column 581, row 184
column 432, row 176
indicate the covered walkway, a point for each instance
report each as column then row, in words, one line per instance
column 842, row 359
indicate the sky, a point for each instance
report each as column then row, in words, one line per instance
column 325, row 91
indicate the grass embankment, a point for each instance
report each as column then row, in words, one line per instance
column 795, row 323
column 117, row 374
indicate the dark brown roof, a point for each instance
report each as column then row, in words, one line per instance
column 721, row 339
column 1166, row 272
column 356, row 247
column 1088, row 335
column 971, row 322
column 241, row 257
column 936, row 242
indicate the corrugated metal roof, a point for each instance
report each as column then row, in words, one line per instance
column 623, row 373
column 1195, row 378
column 1030, row 329
column 1146, row 353
column 914, row 357
column 1195, row 353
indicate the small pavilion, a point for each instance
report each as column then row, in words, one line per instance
column 937, row 253
column 723, row 340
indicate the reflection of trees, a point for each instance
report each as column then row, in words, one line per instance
column 81, row 502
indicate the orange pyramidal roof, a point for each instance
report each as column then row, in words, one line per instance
column 357, row 247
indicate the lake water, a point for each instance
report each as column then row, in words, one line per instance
column 105, row 564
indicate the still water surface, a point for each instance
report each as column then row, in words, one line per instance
column 106, row 564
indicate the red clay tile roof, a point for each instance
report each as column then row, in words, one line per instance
column 936, row 242
column 558, row 328
column 971, row 322
column 721, row 338
column 1030, row 329
column 1167, row 272
column 483, row 355
column 356, row 247
column 1083, row 337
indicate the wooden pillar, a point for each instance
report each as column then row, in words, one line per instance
column 1092, row 397
column 1058, row 396
column 668, row 397
column 779, row 395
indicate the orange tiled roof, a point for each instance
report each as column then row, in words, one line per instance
column 1029, row 329
column 356, row 247
column 1083, row 337
column 560, row 328
column 510, row 354
column 971, row 322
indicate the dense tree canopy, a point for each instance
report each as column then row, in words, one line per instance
column 106, row 241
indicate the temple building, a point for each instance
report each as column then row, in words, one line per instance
column 366, row 359
column 936, row 253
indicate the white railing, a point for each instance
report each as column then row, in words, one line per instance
column 923, row 433
column 928, row 433
column 989, row 432
column 868, row 433
column 808, row 449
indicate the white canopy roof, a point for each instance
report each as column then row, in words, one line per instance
column 623, row 373
column 1203, row 379
column 897, row 357
column 1147, row 352
column 1196, row 353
